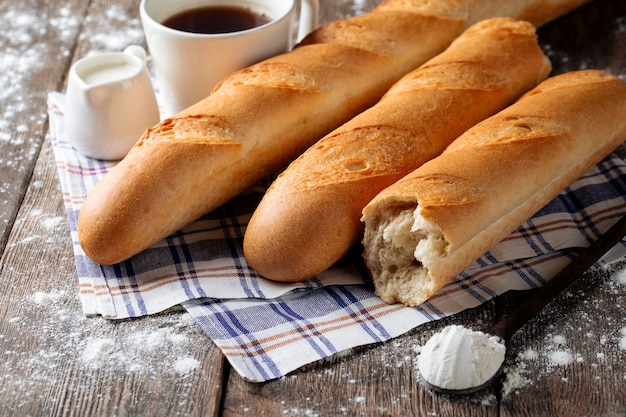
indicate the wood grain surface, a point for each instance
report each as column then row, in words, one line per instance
column 570, row 361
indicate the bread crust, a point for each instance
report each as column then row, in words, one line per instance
column 490, row 180
column 255, row 122
column 309, row 217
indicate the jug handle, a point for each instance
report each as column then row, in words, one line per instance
column 309, row 15
column 137, row 51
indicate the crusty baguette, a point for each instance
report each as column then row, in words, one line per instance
column 260, row 118
column 425, row 229
column 310, row 216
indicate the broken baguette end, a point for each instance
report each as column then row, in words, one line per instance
column 399, row 250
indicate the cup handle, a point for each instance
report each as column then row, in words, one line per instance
column 309, row 14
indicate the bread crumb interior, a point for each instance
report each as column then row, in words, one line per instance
column 398, row 251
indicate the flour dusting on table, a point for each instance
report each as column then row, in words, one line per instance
column 147, row 348
column 552, row 356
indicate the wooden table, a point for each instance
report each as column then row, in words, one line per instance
column 571, row 361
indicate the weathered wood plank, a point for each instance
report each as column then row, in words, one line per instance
column 593, row 36
column 36, row 43
column 570, row 360
column 54, row 361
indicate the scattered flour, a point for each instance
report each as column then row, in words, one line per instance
column 53, row 222
column 186, row 366
column 150, row 346
column 139, row 351
column 557, row 353
column 42, row 298
column 560, row 358
column 514, row 378
column 620, row 277
column 23, row 57
column 622, row 340
column 98, row 350
column 359, row 400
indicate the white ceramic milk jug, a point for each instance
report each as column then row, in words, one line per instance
column 110, row 101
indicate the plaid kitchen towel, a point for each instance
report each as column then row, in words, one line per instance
column 204, row 259
column 268, row 329
column 266, row 339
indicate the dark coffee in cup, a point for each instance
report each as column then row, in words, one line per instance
column 189, row 65
column 216, row 19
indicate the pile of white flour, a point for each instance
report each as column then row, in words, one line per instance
column 458, row 358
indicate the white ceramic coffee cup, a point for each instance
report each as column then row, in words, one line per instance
column 189, row 65
column 109, row 103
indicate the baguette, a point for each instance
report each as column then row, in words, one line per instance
column 429, row 226
column 258, row 119
column 310, row 216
